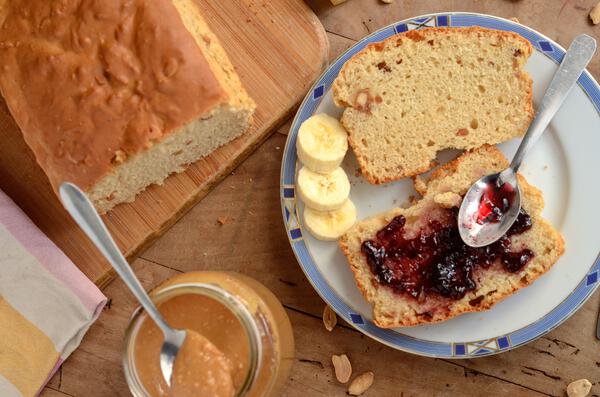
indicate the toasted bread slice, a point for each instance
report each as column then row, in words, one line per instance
column 399, row 309
column 419, row 92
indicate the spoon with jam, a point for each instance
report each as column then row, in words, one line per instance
column 191, row 365
column 492, row 204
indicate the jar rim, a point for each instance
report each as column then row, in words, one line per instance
column 230, row 301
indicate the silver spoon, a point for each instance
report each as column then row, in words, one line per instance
column 84, row 213
column 478, row 234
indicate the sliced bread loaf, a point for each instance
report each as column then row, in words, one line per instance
column 422, row 91
column 492, row 283
column 117, row 95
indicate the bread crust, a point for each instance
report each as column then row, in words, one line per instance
column 400, row 310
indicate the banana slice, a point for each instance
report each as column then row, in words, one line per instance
column 322, row 143
column 323, row 192
column 330, row 225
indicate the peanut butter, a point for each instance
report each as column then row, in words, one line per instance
column 200, row 370
column 202, row 315
column 92, row 82
column 257, row 346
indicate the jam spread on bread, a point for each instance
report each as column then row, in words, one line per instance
column 495, row 201
column 436, row 260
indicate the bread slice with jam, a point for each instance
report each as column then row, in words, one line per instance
column 413, row 266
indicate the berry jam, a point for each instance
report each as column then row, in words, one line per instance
column 436, row 260
column 495, row 201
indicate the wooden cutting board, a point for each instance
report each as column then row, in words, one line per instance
column 277, row 47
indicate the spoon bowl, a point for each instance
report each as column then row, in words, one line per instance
column 476, row 234
column 168, row 352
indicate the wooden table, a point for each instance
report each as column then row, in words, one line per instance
column 252, row 241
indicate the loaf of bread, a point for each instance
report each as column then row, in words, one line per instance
column 422, row 91
column 116, row 95
column 394, row 307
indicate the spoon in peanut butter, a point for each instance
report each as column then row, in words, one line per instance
column 491, row 206
column 85, row 215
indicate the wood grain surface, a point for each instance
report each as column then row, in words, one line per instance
column 278, row 48
column 252, row 241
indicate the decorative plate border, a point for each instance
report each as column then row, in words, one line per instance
column 391, row 338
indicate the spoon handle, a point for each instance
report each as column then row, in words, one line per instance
column 85, row 215
column 576, row 59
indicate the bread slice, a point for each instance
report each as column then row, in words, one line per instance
column 426, row 90
column 398, row 309
column 115, row 96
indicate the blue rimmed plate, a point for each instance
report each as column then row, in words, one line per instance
column 562, row 165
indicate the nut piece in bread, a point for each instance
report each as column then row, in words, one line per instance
column 392, row 309
column 419, row 92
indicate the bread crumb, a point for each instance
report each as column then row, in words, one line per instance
column 221, row 220
column 420, row 184
column 545, row 167
column 119, row 157
column 387, row 1
column 277, row 148
column 411, row 200
column 595, row 14
column 448, row 200
column 514, row 19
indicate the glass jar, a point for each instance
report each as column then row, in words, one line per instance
column 239, row 315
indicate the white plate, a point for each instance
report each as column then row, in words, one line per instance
column 564, row 165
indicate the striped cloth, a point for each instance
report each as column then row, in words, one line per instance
column 46, row 304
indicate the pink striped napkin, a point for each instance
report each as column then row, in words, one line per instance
column 46, row 304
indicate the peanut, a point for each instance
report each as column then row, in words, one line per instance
column 329, row 318
column 579, row 388
column 361, row 383
column 342, row 367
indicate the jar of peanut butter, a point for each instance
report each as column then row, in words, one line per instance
column 239, row 316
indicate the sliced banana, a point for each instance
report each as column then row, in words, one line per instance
column 323, row 192
column 330, row 225
column 322, row 143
